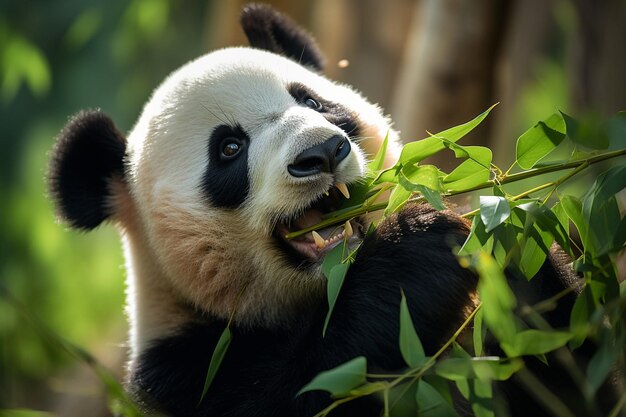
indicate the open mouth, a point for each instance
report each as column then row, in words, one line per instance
column 313, row 245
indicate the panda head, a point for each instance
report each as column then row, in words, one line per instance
column 233, row 150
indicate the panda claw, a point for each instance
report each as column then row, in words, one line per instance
column 343, row 189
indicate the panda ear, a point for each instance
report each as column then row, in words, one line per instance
column 87, row 157
column 268, row 29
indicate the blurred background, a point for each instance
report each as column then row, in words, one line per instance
column 430, row 63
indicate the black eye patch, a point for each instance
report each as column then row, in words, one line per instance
column 226, row 181
column 335, row 113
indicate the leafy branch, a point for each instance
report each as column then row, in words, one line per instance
column 508, row 231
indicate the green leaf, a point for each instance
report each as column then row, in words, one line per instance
column 388, row 175
column 572, row 206
column 340, row 380
column 583, row 308
column 433, row 197
column 479, row 394
column 399, row 196
column 411, row 177
column 590, row 133
column 478, row 334
column 535, row 248
column 431, row 403
column 540, row 140
column 484, row 368
column 419, row 150
column 535, row 342
column 600, row 210
column 548, row 221
column 332, row 258
column 498, row 301
column 470, row 173
column 379, row 160
column 494, row 211
column 216, row 360
column 335, row 282
column 477, row 240
column 410, row 345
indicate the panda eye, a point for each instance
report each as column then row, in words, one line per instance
column 230, row 147
column 313, row 104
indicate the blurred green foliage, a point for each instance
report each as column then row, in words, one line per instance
column 57, row 57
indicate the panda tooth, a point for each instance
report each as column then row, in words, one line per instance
column 319, row 240
column 343, row 189
column 347, row 230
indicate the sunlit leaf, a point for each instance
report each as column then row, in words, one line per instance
column 339, row 380
column 216, row 360
column 399, row 196
column 419, row 150
column 472, row 172
column 433, row 197
column 410, row 345
column 431, row 403
column 493, row 211
column 540, row 140
column 379, row 160
column 411, row 177
column 333, row 287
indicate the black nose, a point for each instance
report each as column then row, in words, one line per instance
column 320, row 158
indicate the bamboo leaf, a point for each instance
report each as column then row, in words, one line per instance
column 498, row 301
column 379, row 160
column 335, row 282
column 430, row 402
column 216, row 360
column 340, row 380
column 494, row 211
column 486, row 368
column 535, row 342
column 411, row 177
column 540, row 140
column 417, row 151
column 399, row 196
column 410, row 345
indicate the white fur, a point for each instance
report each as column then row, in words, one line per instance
column 180, row 251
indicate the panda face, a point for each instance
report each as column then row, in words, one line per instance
column 233, row 151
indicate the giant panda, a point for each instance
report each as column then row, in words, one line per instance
column 233, row 150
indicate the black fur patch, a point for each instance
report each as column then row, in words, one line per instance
column 335, row 113
column 268, row 29
column 226, row 179
column 88, row 155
